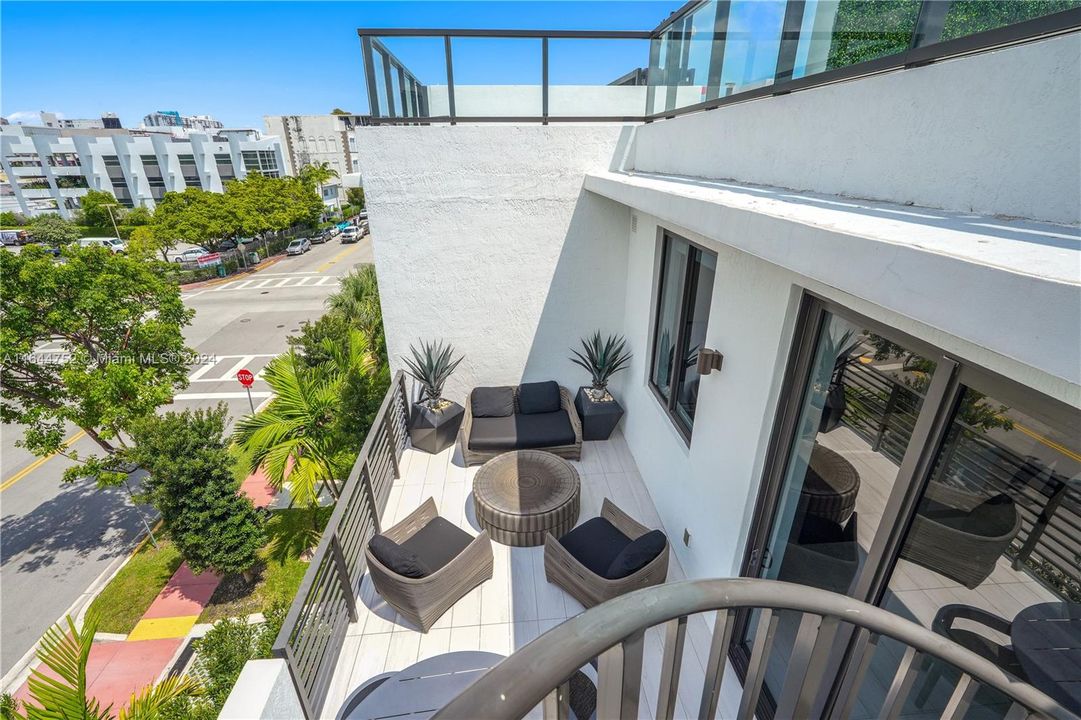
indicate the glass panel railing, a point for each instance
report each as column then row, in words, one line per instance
column 497, row 77
column 694, row 60
column 965, row 17
column 597, row 77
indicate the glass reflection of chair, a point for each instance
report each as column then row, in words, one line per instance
column 961, row 535
column 1001, row 655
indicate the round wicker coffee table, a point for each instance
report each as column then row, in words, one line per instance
column 522, row 496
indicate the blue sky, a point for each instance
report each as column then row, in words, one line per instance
column 239, row 61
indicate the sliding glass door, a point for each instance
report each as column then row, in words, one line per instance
column 904, row 478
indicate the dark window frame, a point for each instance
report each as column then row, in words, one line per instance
column 688, row 291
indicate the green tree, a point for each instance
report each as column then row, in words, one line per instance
column 121, row 324
column 355, row 197
column 94, row 208
column 191, row 483
column 143, row 243
column 196, row 216
column 339, row 111
column 12, row 219
column 357, row 300
column 295, row 439
column 317, row 174
column 264, row 204
column 138, row 216
column 53, row 229
column 60, row 693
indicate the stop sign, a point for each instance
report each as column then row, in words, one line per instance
column 245, row 377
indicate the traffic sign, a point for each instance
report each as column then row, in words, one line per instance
column 246, row 378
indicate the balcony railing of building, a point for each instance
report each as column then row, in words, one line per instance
column 314, row 629
column 613, row 634
column 707, row 54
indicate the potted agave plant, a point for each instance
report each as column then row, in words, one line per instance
column 603, row 358
column 434, row 420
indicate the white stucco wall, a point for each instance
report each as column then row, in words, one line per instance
column 264, row 690
column 483, row 237
column 565, row 100
column 995, row 133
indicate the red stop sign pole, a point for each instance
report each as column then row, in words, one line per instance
column 246, row 379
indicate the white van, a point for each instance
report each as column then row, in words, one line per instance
column 115, row 245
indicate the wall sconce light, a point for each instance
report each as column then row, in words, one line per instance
column 709, row 360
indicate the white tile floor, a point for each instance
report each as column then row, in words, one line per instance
column 517, row 604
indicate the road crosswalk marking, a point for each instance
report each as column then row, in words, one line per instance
column 225, row 367
column 276, row 281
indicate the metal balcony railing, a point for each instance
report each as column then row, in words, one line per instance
column 312, row 635
column 707, row 54
column 613, row 633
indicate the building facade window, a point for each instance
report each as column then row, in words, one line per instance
column 683, row 299
column 110, row 160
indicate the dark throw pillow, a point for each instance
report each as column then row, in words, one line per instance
column 539, row 397
column 492, row 402
column 397, row 559
column 637, row 555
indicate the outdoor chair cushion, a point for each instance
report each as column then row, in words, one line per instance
column 539, row 397
column 521, row 432
column 595, row 543
column 993, row 517
column 397, row 558
column 636, row 555
column 437, row 543
column 492, row 402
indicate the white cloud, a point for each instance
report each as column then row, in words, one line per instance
column 25, row 116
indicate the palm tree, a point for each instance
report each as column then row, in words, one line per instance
column 62, row 694
column 358, row 301
column 317, row 174
column 294, row 438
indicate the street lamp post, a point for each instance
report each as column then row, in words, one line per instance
column 110, row 207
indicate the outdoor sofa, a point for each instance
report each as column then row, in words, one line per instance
column 530, row 416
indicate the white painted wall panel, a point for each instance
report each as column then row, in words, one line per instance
column 995, row 133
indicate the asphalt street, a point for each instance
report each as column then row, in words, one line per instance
column 56, row 540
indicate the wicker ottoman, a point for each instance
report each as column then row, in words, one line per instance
column 830, row 486
column 522, row 496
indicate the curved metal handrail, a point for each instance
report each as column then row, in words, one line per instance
column 515, row 686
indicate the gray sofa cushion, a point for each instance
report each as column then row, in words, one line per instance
column 521, row 432
column 492, row 402
column 539, row 397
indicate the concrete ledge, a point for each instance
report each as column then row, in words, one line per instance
column 264, row 690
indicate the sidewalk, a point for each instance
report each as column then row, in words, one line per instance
column 116, row 669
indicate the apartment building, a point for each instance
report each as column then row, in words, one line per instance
column 106, row 121
column 50, row 169
column 173, row 119
column 313, row 139
column 847, row 266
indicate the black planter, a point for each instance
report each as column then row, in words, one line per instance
column 434, row 431
column 599, row 419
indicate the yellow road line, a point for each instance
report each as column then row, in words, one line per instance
column 336, row 258
column 1048, row 442
column 38, row 463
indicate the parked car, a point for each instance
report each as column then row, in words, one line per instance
column 189, row 255
column 320, row 237
column 112, row 244
column 14, row 237
column 299, row 246
column 51, row 249
column 351, row 234
column 227, row 244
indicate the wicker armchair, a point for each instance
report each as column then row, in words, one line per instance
column 423, row 601
column 478, row 457
column 588, row 588
column 962, row 555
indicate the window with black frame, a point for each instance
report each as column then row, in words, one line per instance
column 683, row 300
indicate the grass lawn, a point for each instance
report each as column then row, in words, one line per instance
column 279, row 572
column 129, row 594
